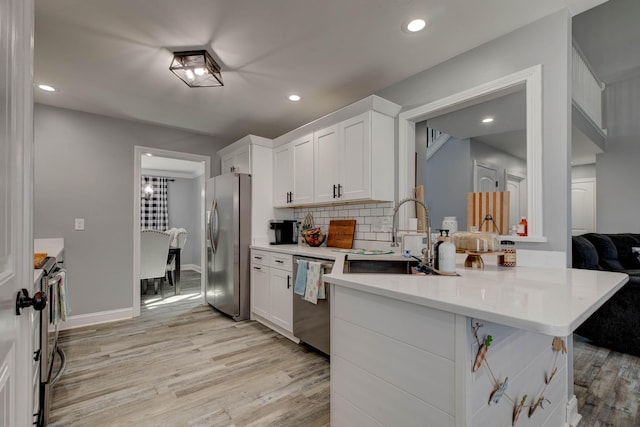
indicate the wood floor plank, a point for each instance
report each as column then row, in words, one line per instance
column 183, row 364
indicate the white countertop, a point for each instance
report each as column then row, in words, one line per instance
column 52, row 247
column 550, row 301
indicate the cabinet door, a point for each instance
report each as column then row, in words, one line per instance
column 260, row 290
column 242, row 160
column 282, row 160
column 355, row 155
column 227, row 164
column 303, row 170
column 327, row 164
column 281, row 282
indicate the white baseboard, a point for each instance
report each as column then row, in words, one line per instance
column 573, row 417
column 81, row 320
column 194, row 267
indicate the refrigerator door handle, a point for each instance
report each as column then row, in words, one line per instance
column 209, row 223
column 214, row 230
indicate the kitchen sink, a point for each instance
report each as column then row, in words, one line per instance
column 367, row 266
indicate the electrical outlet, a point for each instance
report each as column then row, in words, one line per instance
column 79, row 224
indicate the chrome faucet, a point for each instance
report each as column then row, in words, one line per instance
column 428, row 253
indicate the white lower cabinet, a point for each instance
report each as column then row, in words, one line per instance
column 272, row 290
column 281, row 293
column 260, row 299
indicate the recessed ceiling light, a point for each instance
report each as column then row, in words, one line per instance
column 47, row 88
column 294, row 98
column 487, row 120
column 416, row 25
column 148, row 154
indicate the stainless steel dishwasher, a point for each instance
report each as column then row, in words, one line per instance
column 311, row 322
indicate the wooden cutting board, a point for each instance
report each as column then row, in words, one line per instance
column 341, row 233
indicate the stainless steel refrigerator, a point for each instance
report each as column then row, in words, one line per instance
column 228, row 202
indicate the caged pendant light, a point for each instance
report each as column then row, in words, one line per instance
column 196, row 68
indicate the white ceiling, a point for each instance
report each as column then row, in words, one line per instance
column 111, row 57
column 506, row 133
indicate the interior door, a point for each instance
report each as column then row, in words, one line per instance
column 16, row 242
column 583, row 206
column 485, row 178
column 515, row 183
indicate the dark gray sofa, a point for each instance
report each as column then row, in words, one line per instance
column 615, row 325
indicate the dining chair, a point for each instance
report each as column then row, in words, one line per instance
column 179, row 240
column 154, row 248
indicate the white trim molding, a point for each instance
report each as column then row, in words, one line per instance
column 532, row 79
column 89, row 319
column 138, row 152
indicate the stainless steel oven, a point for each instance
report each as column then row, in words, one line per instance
column 49, row 350
column 311, row 322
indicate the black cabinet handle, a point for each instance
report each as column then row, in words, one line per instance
column 257, row 268
column 339, row 190
column 279, row 261
column 288, row 281
column 334, row 191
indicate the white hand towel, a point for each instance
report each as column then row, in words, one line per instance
column 63, row 296
column 314, row 272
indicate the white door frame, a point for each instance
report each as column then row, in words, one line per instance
column 138, row 153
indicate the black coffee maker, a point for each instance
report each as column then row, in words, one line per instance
column 285, row 231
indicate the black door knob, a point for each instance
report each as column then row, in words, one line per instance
column 23, row 300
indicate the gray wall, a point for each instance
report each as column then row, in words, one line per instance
column 618, row 169
column 545, row 42
column 449, row 176
column 84, row 167
column 184, row 204
column 447, row 185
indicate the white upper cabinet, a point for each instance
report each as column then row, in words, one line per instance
column 354, row 160
column 326, row 148
column 282, row 176
column 348, row 156
column 238, row 161
column 302, row 170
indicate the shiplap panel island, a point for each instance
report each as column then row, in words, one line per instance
column 486, row 348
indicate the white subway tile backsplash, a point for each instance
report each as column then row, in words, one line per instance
column 367, row 215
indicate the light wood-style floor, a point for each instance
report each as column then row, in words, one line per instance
column 182, row 364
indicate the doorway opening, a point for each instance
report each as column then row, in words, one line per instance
column 189, row 173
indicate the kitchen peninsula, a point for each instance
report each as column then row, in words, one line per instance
column 404, row 347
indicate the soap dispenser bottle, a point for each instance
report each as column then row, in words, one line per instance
column 447, row 257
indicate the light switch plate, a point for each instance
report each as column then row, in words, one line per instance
column 79, row 224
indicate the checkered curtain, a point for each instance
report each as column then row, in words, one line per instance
column 154, row 209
